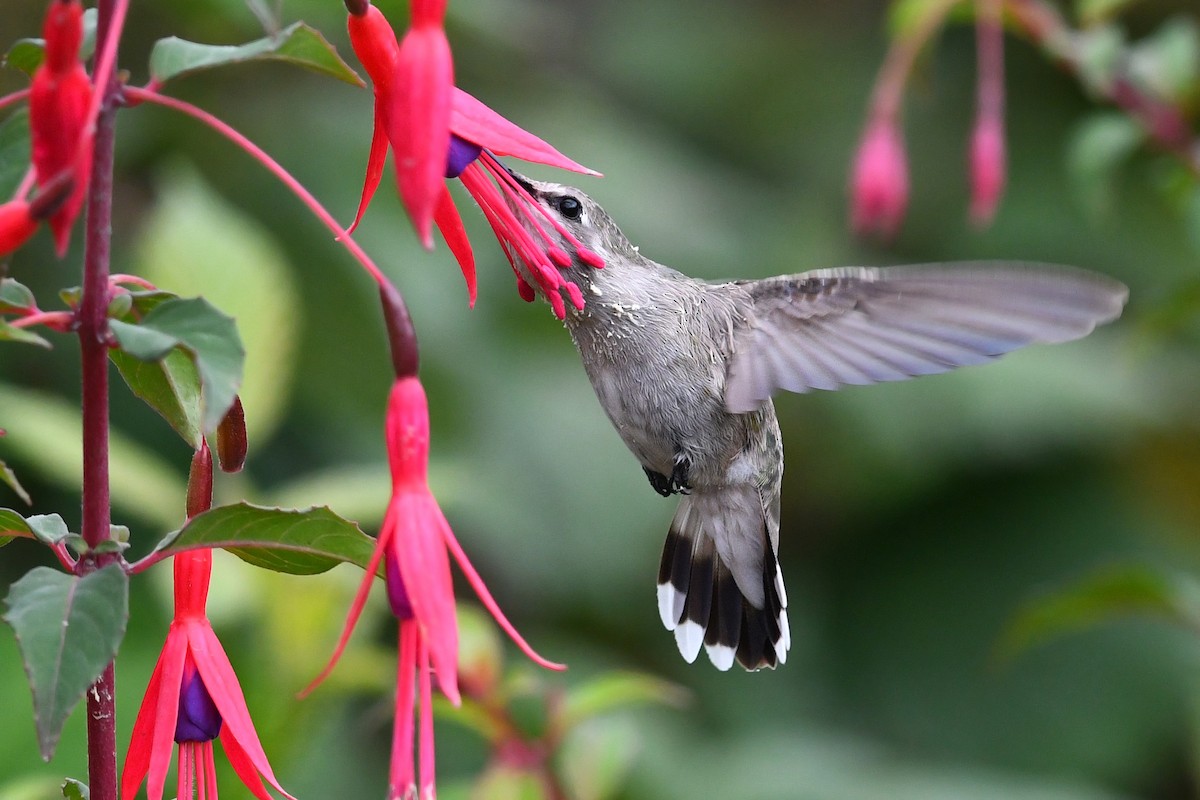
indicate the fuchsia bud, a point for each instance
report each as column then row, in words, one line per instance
column 987, row 169
column 987, row 157
column 880, row 181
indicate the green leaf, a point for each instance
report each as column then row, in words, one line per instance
column 14, row 150
column 1094, row 12
column 75, row 790
column 12, row 525
column 296, row 44
column 1102, row 597
column 26, row 54
column 595, row 760
column 1095, row 151
column 206, row 335
column 48, row 528
column 170, row 386
column 9, row 478
column 68, row 629
column 1098, row 53
column 10, row 334
column 15, row 296
column 907, row 17
column 1168, row 62
column 296, row 541
column 615, row 691
column 502, row 782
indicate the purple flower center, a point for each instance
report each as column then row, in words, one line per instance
column 397, row 594
column 460, row 156
column 198, row 720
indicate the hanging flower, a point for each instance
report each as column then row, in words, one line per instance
column 987, row 156
column 880, row 182
column 194, row 695
column 59, row 97
column 415, row 543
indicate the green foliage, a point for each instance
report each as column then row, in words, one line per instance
column 68, row 628
column 296, row 44
column 1100, row 145
column 14, row 296
column 298, row 542
column 75, row 790
column 204, row 335
column 9, row 478
column 1109, row 594
column 14, row 150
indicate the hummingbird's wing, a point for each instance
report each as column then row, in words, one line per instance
column 858, row 325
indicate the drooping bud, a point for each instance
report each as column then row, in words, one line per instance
column 198, row 720
column 407, row 431
column 200, row 481
column 987, row 169
column 402, row 338
column 231, row 438
column 357, row 7
column 880, row 182
column 987, row 156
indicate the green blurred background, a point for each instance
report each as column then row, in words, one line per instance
column 918, row 518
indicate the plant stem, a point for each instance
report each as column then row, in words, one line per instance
column 93, row 345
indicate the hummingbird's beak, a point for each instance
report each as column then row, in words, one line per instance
column 520, row 179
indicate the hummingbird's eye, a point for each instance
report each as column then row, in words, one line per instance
column 570, row 208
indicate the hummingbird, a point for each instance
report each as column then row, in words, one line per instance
column 685, row 370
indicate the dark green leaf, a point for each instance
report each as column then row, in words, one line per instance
column 10, row 334
column 15, row 296
column 170, row 386
column 68, row 629
column 296, row 44
column 1097, row 148
column 615, row 691
column 209, row 337
column 1102, row 597
column 1099, row 52
column 1168, row 61
column 75, row 790
column 9, row 478
column 596, row 758
column 26, row 54
column 12, row 525
column 14, row 151
column 296, row 541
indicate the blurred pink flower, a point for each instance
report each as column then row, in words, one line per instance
column 987, row 169
column 879, row 185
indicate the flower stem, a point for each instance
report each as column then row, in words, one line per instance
column 93, row 345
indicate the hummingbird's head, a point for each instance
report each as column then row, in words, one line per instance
column 570, row 211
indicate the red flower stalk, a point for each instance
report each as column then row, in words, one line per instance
column 413, row 83
column 880, row 183
column 987, row 157
column 59, row 99
column 413, row 543
column 194, row 696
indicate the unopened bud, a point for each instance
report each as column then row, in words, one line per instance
column 402, row 339
column 357, row 7
column 200, row 482
column 231, row 438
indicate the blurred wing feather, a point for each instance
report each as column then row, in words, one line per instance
column 857, row 325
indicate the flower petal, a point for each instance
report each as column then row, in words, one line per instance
column 213, row 665
column 243, row 765
column 449, row 222
column 400, row 777
column 477, row 123
column 375, row 161
column 141, row 743
column 171, row 662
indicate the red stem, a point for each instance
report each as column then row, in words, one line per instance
column 93, row 334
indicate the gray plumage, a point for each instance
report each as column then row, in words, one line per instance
column 685, row 370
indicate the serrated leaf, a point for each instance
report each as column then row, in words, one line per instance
column 295, row 541
column 296, row 44
column 1102, row 597
column 10, row 334
column 26, row 54
column 75, row 790
column 68, row 629
column 170, row 386
column 1093, row 12
column 14, row 150
column 615, row 691
column 206, row 335
column 9, row 479
column 15, row 296
column 12, row 526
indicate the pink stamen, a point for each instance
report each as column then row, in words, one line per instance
column 402, row 778
column 426, row 742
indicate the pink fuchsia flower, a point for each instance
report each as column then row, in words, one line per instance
column 414, row 544
column 194, row 695
column 17, row 225
column 880, row 182
column 59, row 98
column 987, row 156
column 413, row 82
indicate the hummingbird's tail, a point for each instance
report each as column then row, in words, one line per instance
column 719, row 582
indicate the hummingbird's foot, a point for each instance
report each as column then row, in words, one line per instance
column 678, row 483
